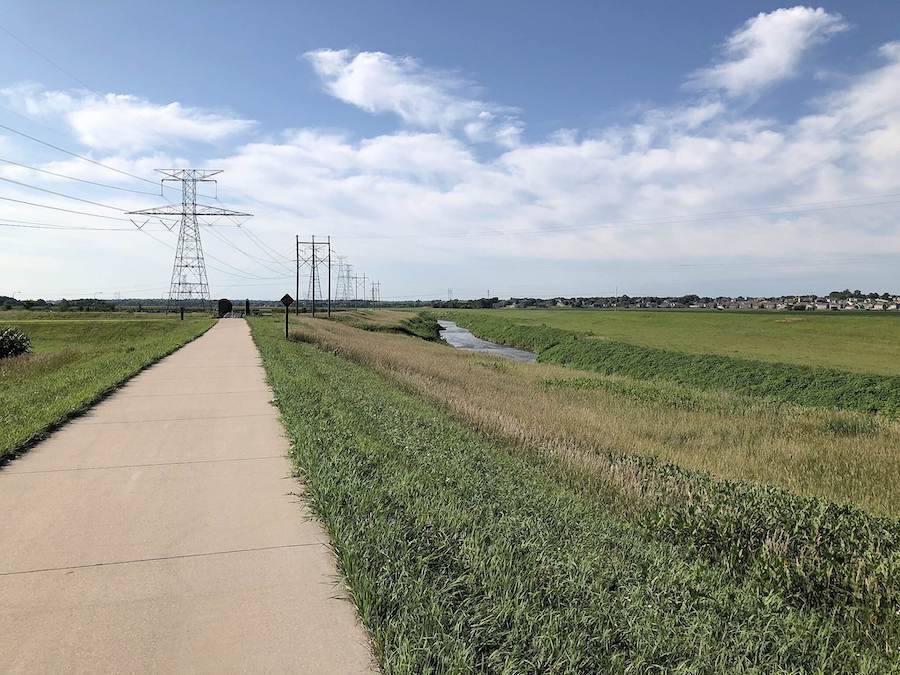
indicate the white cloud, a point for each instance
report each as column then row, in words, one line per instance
column 767, row 49
column 377, row 82
column 123, row 122
column 621, row 196
column 623, row 193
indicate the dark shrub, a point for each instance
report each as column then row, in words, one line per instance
column 13, row 342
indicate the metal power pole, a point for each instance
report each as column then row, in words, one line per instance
column 311, row 257
column 297, row 253
column 329, row 276
column 189, row 280
column 355, row 286
column 313, row 267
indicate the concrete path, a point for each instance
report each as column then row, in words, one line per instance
column 161, row 533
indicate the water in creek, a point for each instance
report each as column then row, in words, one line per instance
column 463, row 339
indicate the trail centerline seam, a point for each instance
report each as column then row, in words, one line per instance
column 159, row 559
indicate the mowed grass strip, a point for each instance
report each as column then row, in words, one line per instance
column 74, row 363
column 784, row 382
column 463, row 556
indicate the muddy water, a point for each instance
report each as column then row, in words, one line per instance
column 463, row 339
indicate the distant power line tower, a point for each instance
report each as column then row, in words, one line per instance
column 189, row 281
column 310, row 257
column 344, row 290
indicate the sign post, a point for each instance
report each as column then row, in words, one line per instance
column 287, row 301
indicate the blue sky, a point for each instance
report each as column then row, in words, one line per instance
column 740, row 148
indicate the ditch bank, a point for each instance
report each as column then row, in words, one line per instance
column 781, row 382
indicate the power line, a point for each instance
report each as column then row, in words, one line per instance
column 44, row 56
column 237, row 248
column 62, row 194
column 81, row 157
column 47, row 226
column 59, row 208
column 80, row 180
column 265, row 248
column 218, row 269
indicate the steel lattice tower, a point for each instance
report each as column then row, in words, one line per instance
column 344, row 284
column 189, row 281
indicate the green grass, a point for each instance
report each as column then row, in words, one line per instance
column 417, row 324
column 783, row 382
column 857, row 342
column 464, row 554
column 75, row 362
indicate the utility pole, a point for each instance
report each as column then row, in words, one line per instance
column 189, row 280
column 364, row 290
column 313, row 267
column 329, row 276
column 376, row 292
column 355, row 279
column 297, row 252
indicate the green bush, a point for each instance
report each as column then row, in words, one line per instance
column 13, row 342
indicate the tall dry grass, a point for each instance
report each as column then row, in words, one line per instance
column 577, row 417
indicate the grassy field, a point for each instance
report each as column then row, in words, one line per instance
column 857, row 342
column 480, row 529
column 841, row 456
column 76, row 360
column 805, row 385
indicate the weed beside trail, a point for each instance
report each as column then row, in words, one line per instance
column 76, row 361
column 466, row 555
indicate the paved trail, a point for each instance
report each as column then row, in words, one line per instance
column 159, row 533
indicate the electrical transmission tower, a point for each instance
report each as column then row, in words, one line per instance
column 344, row 290
column 309, row 257
column 189, row 281
column 354, row 289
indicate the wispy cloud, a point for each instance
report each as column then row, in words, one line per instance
column 124, row 122
column 422, row 97
column 767, row 49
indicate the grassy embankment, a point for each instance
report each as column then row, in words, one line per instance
column 464, row 553
column 863, row 342
column 75, row 362
column 841, row 456
column 415, row 323
column 805, row 385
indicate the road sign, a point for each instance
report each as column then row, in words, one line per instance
column 287, row 300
